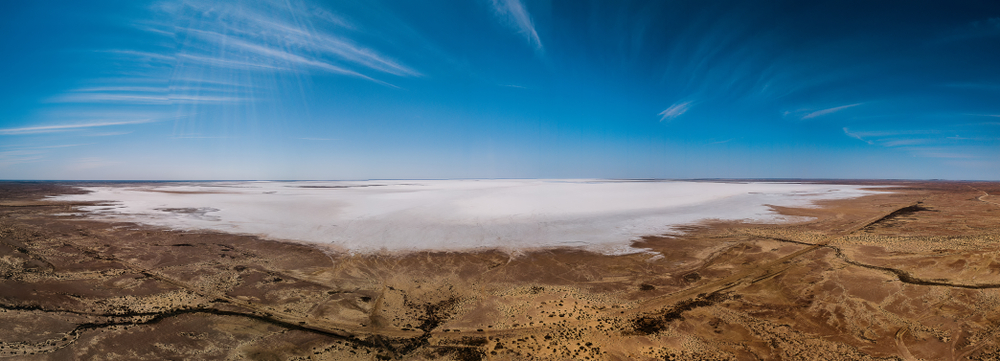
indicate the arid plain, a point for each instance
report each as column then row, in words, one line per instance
column 907, row 275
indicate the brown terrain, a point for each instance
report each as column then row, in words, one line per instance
column 909, row 275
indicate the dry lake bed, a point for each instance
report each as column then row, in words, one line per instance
column 500, row 270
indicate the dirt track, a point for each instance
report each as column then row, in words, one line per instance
column 908, row 275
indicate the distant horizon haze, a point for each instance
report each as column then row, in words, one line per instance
column 778, row 180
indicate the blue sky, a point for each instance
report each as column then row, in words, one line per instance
column 499, row 89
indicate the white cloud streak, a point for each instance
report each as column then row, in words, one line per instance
column 890, row 138
column 919, row 147
column 675, row 111
column 62, row 146
column 224, row 49
column 514, row 13
column 107, row 134
column 69, row 127
column 899, row 142
column 144, row 54
column 856, row 136
column 268, row 37
column 142, row 99
column 135, row 89
column 280, row 45
column 828, row 111
column 229, row 63
column 331, row 18
column 272, row 54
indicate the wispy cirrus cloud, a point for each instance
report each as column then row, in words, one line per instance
column 365, row 57
column 903, row 142
column 198, row 136
column 271, row 58
column 129, row 89
column 61, row 146
column 809, row 114
column 230, row 63
column 152, row 94
column 331, row 18
column 675, row 111
column 226, row 54
column 166, row 58
column 69, row 127
column 133, row 98
column 926, row 143
column 893, row 138
column 106, row 134
column 256, row 38
column 228, row 51
column 856, row 136
column 516, row 16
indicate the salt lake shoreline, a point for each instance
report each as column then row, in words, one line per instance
column 458, row 215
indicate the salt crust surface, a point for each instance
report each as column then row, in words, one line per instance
column 391, row 216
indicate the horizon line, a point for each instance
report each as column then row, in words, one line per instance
column 496, row 178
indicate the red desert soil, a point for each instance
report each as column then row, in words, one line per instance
column 913, row 274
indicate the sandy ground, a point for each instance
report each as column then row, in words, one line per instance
column 910, row 275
